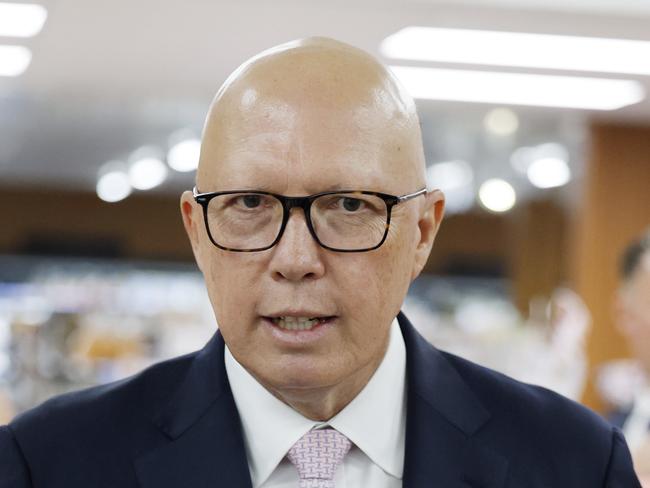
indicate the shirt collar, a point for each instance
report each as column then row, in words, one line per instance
column 374, row 420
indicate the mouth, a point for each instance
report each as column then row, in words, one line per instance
column 291, row 323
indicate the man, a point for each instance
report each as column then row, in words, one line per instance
column 633, row 320
column 309, row 221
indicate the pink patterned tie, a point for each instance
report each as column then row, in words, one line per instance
column 316, row 455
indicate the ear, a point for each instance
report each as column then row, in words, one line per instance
column 193, row 222
column 428, row 224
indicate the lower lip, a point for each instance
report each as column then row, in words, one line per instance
column 300, row 337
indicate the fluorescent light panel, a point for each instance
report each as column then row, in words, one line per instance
column 14, row 60
column 496, row 48
column 21, row 19
column 519, row 89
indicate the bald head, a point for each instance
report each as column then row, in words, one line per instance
column 289, row 99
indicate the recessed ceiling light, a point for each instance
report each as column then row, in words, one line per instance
column 523, row 157
column 549, row 172
column 495, row 48
column 21, row 19
column 113, row 182
column 146, row 168
column 147, row 173
column 497, row 195
column 501, row 122
column 14, row 60
column 184, row 155
column 519, row 88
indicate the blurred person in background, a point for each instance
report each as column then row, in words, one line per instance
column 309, row 221
column 633, row 320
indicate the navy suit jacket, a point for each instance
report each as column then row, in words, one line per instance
column 176, row 425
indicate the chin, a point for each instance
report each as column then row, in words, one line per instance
column 300, row 379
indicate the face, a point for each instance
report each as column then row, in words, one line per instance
column 297, row 149
column 634, row 312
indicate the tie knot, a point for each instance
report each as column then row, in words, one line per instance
column 317, row 454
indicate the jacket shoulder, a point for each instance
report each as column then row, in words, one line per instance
column 508, row 398
column 95, row 423
column 539, row 428
column 139, row 394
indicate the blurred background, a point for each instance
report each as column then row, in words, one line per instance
column 536, row 123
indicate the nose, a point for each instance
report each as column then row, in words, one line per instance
column 297, row 256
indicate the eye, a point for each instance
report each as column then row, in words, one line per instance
column 250, row 201
column 351, row 204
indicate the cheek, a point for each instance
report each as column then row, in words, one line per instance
column 399, row 264
column 232, row 280
column 376, row 282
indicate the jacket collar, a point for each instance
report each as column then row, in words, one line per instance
column 205, row 443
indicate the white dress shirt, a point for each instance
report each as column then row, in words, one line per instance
column 374, row 421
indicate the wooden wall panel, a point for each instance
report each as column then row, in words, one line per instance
column 477, row 240
column 615, row 210
column 538, row 254
column 143, row 227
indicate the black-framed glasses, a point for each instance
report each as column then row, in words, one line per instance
column 343, row 221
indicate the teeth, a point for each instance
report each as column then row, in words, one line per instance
column 296, row 323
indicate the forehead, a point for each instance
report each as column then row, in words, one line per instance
column 280, row 146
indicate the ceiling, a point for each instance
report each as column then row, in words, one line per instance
column 615, row 7
column 108, row 77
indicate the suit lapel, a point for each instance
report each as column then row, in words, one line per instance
column 204, row 446
column 443, row 414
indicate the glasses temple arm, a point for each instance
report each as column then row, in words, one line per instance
column 409, row 196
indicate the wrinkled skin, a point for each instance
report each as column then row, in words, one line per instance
column 298, row 119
